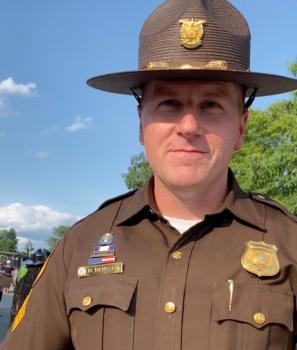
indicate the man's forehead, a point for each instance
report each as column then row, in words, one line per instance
column 168, row 87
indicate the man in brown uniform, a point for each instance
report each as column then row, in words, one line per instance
column 190, row 261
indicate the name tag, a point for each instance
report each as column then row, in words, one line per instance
column 95, row 270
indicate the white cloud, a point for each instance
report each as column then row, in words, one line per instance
column 42, row 155
column 9, row 87
column 49, row 131
column 36, row 243
column 80, row 123
column 36, row 218
column 22, row 240
column 34, row 223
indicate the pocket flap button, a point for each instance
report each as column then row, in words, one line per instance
column 87, row 301
column 259, row 318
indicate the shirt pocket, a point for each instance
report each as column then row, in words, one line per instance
column 257, row 317
column 101, row 312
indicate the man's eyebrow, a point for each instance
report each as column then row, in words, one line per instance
column 217, row 91
column 163, row 91
column 213, row 94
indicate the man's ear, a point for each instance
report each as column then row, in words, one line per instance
column 140, row 125
column 242, row 128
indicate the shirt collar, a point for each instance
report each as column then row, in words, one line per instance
column 139, row 202
column 240, row 204
column 237, row 202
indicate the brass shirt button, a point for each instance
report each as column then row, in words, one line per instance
column 87, row 301
column 177, row 255
column 170, row 307
column 259, row 318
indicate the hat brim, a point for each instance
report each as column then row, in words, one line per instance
column 123, row 82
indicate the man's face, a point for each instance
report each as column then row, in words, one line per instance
column 190, row 130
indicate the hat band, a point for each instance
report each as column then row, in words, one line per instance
column 215, row 65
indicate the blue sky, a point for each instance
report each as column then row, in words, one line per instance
column 65, row 146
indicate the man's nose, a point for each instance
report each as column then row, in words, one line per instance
column 190, row 124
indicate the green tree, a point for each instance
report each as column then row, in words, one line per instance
column 57, row 234
column 293, row 69
column 138, row 172
column 8, row 240
column 267, row 162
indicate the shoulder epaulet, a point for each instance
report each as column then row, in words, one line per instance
column 272, row 203
column 116, row 199
column 105, row 204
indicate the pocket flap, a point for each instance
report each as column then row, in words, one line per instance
column 86, row 293
column 256, row 305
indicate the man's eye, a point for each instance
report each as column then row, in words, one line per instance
column 169, row 103
column 210, row 104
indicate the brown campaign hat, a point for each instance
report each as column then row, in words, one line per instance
column 196, row 40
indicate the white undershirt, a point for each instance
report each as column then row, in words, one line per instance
column 181, row 225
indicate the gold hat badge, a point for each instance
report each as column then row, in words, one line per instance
column 260, row 259
column 191, row 32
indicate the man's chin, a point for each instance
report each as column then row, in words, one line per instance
column 183, row 184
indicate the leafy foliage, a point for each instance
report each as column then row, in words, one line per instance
column 58, row 233
column 267, row 162
column 8, row 240
column 138, row 172
column 293, row 68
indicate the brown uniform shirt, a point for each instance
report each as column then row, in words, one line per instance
column 190, row 271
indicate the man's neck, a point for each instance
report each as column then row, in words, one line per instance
column 189, row 204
